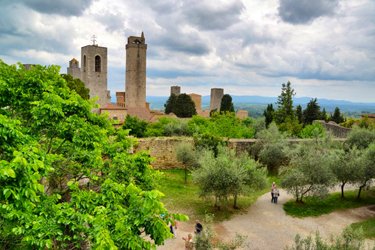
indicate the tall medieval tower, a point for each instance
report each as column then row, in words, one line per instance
column 94, row 72
column 135, row 90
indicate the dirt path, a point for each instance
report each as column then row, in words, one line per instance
column 268, row 227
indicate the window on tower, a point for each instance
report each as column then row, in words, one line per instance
column 84, row 63
column 97, row 63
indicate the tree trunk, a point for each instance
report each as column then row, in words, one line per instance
column 359, row 191
column 235, row 201
column 342, row 190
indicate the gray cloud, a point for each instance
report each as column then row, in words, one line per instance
column 60, row 7
column 207, row 17
column 186, row 45
column 304, row 11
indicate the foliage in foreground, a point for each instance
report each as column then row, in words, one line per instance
column 367, row 226
column 207, row 240
column 348, row 240
column 67, row 180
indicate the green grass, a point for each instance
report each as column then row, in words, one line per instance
column 184, row 198
column 368, row 227
column 315, row 206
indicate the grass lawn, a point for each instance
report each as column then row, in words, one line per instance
column 368, row 227
column 184, row 198
column 315, row 206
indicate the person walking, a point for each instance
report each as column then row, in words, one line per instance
column 276, row 195
column 189, row 245
column 272, row 191
column 198, row 227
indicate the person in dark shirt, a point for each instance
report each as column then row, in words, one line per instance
column 198, row 227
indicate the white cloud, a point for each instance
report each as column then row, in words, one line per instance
column 245, row 47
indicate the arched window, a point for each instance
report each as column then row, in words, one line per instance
column 97, row 63
column 84, row 63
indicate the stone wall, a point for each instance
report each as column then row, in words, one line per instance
column 335, row 129
column 163, row 149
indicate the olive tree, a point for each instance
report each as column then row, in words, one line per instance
column 227, row 175
column 366, row 168
column 186, row 154
column 309, row 172
column 345, row 165
column 271, row 148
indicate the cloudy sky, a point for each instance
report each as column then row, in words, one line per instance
column 326, row 48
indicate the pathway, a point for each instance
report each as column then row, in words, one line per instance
column 268, row 227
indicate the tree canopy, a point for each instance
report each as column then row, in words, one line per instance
column 181, row 105
column 226, row 104
column 77, row 85
column 312, row 112
column 67, row 179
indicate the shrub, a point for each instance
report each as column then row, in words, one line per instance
column 136, row 126
column 361, row 137
column 314, row 130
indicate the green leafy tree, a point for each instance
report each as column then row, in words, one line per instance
column 271, row 148
column 184, row 106
column 337, row 116
column 226, row 104
column 299, row 113
column 170, row 105
column 186, row 155
column 77, row 85
column 285, row 104
column 345, row 166
column 366, row 168
column 221, row 125
column 269, row 114
column 67, row 180
column 315, row 131
column 360, row 137
column 323, row 115
column 312, row 112
column 310, row 172
column 136, row 126
column 226, row 175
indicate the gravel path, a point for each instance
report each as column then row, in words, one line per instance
column 268, row 227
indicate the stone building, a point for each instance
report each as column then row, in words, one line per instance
column 93, row 72
column 175, row 90
column 197, row 99
column 215, row 99
column 135, row 86
column 74, row 69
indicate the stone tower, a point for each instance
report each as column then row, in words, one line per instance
column 94, row 72
column 215, row 100
column 175, row 90
column 135, row 89
column 74, row 69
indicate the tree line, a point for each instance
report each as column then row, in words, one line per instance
column 293, row 120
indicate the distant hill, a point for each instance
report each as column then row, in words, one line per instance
column 256, row 104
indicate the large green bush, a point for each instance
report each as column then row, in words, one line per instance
column 67, row 180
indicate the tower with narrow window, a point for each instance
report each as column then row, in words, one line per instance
column 94, row 72
column 135, row 83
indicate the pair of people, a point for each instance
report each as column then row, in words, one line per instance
column 275, row 193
